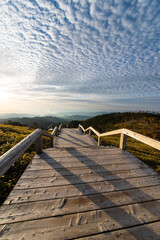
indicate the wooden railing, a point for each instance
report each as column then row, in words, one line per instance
column 8, row 158
column 123, row 137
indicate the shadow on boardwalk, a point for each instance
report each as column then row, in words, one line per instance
column 127, row 220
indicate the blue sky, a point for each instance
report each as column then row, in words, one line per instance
column 79, row 55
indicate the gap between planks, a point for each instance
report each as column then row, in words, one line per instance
column 91, row 222
column 65, row 206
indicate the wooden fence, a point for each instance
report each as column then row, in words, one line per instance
column 123, row 137
column 8, row 158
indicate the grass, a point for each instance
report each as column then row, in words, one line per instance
column 147, row 154
column 9, row 137
column 147, row 124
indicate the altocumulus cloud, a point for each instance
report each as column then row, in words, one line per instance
column 83, row 48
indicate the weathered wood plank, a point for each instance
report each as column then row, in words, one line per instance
column 143, row 232
column 36, row 194
column 101, row 158
column 73, row 193
column 86, row 151
column 83, row 161
column 86, row 169
column 93, row 222
column 91, row 165
column 48, row 208
column 74, row 179
column 73, row 139
column 78, row 172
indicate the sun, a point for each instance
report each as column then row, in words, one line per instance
column 4, row 94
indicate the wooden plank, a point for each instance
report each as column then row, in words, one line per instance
column 84, row 160
column 70, row 153
column 142, row 232
column 75, row 144
column 67, row 140
column 56, row 165
column 82, row 224
column 77, row 153
column 78, row 172
column 36, row 194
column 85, row 151
column 74, row 179
column 95, row 167
column 49, row 208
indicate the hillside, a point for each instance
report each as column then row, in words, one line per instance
column 144, row 123
column 77, row 117
column 42, row 122
column 9, row 137
column 147, row 124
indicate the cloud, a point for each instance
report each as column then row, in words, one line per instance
column 82, row 48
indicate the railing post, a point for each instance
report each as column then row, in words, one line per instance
column 123, row 141
column 90, row 132
column 51, row 142
column 39, row 144
column 99, row 141
column 59, row 129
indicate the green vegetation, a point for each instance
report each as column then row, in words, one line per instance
column 35, row 122
column 147, row 154
column 147, row 124
column 9, row 137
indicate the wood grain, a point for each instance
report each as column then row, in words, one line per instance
column 83, row 192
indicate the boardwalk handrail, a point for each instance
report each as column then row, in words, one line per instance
column 60, row 127
column 123, row 138
column 8, row 158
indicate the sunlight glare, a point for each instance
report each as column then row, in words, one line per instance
column 4, row 94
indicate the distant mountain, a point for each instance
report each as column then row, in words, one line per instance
column 15, row 115
column 77, row 117
column 68, row 115
column 37, row 121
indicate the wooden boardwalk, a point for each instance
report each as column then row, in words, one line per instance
column 73, row 138
column 80, row 191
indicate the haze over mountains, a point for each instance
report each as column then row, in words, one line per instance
column 43, row 121
column 68, row 115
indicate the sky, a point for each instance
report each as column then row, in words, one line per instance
column 79, row 56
